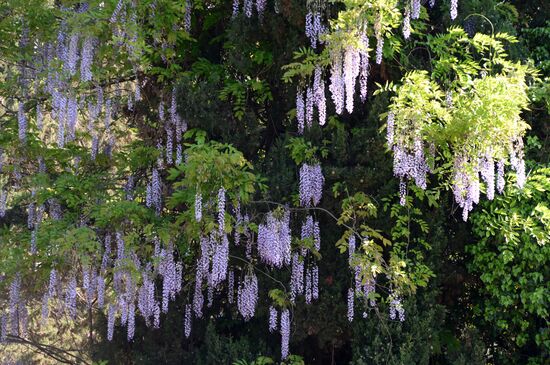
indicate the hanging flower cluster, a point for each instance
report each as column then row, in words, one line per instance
column 274, row 239
column 418, row 121
column 248, row 296
column 311, row 184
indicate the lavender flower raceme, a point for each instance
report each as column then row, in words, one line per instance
column 274, row 240
column 235, row 8
column 351, row 297
column 300, row 110
column 272, row 319
column 396, row 308
column 311, row 184
column 230, row 286
column 188, row 319
column 198, row 206
column 22, row 123
column 131, row 322
column 221, row 210
column 187, row 18
column 319, row 95
column 70, row 297
column 72, row 57
column 351, row 71
column 364, row 66
column 260, row 7
column 248, row 296
column 337, row 85
column 454, row 9
column 111, row 321
column 297, row 277
column 407, row 24
column 248, row 4
column 500, row 176
column 14, row 298
column 415, row 9
column 285, row 333
column 309, row 106
column 87, row 59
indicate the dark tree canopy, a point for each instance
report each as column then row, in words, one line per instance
column 274, row 181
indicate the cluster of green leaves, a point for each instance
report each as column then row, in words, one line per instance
column 512, row 259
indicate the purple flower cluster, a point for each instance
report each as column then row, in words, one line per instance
column 454, row 9
column 337, row 86
column 296, row 277
column 22, row 122
column 300, row 110
column 248, row 296
column 364, row 68
column 274, row 238
column 111, row 317
column 352, row 61
column 272, row 319
column 188, row 320
column 70, row 297
column 311, row 184
column 351, row 300
column 221, row 210
column 285, row 333
column 415, row 9
column 198, row 206
column 407, row 24
column 314, row 28
column 87, row 59
column 407, row 164
column 396, row 308
column 187, row 18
